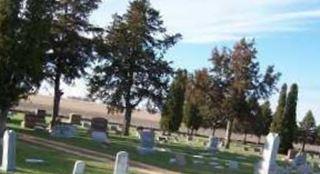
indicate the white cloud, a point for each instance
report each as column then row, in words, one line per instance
column 203, row 21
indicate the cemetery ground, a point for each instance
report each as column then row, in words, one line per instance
column 58, row 161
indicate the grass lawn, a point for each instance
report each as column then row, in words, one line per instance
column 160, row 159
column 246, row 159
column 55, row 161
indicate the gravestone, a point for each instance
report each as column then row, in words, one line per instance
column 99, row 124
column 98, row 129
column 268, row 164
column 41, row 113
column 9, row 151
column 233, row 165
column 79, row 167
column 300, row 159
column 75, row 119
column 64, row 130
column 31, row 120
column 213, row 144
column 146, row 142
column 98, row 136
column 121, row 164
column 180, row 159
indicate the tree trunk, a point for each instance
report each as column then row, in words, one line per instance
column 244, row 138
column 259, row 139
column 303, row 146
column 3, row 122
column 213, row 131
column 126, row 122
column 56, row 100
column 228, row 133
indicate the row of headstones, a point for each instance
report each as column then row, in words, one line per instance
column 268, row 164
column 36, row 119
column 9, row 157
column 121, row 164
column 98, row 125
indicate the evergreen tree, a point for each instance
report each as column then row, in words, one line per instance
column 70, row 48
column 278, row 118
column 237, row 71
column 192, row 116
column 131, row 67
column 23, row 35
column 172, row 112
column 307, row 130
column 289, row 125
column 263, row 121
column 318, row 135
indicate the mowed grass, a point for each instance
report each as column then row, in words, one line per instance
column 55, row 162
column 160, row 159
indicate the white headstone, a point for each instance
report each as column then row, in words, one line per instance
column 121, row 165
column 268, row 164
column 79, row 167
column 9, row 151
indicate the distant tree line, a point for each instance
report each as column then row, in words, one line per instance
column 233, row 95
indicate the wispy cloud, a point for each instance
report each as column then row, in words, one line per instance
column 208, row 21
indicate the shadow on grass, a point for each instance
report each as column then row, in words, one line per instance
column 159, row 159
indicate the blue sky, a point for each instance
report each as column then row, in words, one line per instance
column 286, row 32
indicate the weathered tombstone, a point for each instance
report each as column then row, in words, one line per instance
column 146, row 142
column 268, row 164
column 64, row 130
column 9, row 151
column 79, row 167
column 75, row 119
column 100, row 137
column 98, row 129
column 300, row 159
column 233, row 165
column 41, row 113
column 121, row 164
column 180, row 159
column 29, row 120
column 99, row 124
column 213, row 144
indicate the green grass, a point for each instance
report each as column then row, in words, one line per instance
column 246, row 159
column 160, row 159
column 55, row 162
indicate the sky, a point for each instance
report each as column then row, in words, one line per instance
column 287, row 35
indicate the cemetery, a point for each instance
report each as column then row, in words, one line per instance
column 172, row 156
column 159, row 87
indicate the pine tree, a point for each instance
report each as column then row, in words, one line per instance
column 172, row 112
column 192, row 117
column 263, row 121
column 289, row 124
column 131, row 67
column 307, row 130
column 277, row 122
column 71, row 49
column 23, row 36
